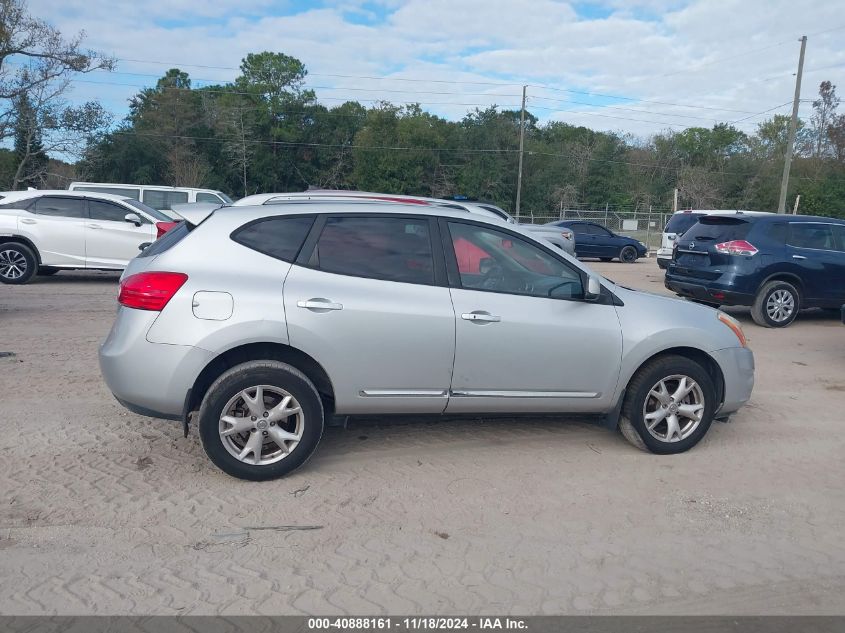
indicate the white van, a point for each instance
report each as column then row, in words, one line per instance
column 680, row 223
column 158, row 197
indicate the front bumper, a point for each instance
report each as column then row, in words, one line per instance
column 708, row 294
column 737, row 365
column 152, row 379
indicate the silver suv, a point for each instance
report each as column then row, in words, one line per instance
column 261, row 323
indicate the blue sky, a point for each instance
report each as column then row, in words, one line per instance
column 633, row 66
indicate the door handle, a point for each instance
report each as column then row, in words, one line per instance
column 319, row 304
column 93, row 226
column 28, row 221
column 798, row 257
column 481, row 317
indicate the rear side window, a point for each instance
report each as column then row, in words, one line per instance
column 392, row 249
column 60, row 207
column 778, row 232
column 811, row 235
column 208, row 197
column 718, row 228
column 168, row 240
column 279, row 237
column 163, row 199
column 135, row 194
column 680, row 223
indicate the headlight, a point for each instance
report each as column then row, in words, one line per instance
column 735, row 327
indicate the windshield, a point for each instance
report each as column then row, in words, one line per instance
column 153, row 213
column 680, row 223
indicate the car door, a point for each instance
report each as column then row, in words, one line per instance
column 585, row 245
column 604, row 242
column 525, row 340
column 367, row 301
column 111, row 241
column 56, row 225
column 813, row 249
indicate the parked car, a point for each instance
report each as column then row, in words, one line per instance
column 680, row 223
column 158, row 197
column 319, row 308
column 777, row 264
column 43, row 232
column 563, row 239
column 594, row 240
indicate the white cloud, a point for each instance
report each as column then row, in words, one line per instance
column 696, row 52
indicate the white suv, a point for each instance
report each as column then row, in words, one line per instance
column 42, row 232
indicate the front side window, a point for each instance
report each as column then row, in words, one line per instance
column 491, row 260
column 109, row 212
column 392, row 249
column 164, row 199
column 811, row 235
column 208, row 197
column 279, row 237
column 60, row 207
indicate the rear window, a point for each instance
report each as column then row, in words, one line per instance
column 279, row 237
column 164, row 199
column 680, row 223
column 168, row 240
column 721, row 228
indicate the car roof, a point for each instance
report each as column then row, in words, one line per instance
column 722, row 211
column 14, row 196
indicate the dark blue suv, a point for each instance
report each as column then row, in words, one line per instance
column 594, row 240
column 777, row 264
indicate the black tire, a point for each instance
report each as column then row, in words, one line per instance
column 18, row 264
column 46, row 271
column 606, row 259
column 633, row 424
column 662, row 263
column 628, row 255
column 243, row 377
column 772, row 296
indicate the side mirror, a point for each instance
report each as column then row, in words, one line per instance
column 134, row 218
column 593, row 290
column 144, row 246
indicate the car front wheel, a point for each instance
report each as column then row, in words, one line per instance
column 17, row 263
column 776, row 304
column 669, row 405
column 628, row 255
column 261, row 420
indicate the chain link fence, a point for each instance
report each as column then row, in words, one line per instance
column 645, row 225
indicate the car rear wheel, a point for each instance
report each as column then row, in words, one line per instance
column 776, row 304
column 628, row 255
column 669, row 405
column 17, row 263
column 261, row 420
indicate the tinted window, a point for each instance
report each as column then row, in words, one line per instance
column 168, row 240
column 60, row 207
column 811, row 235
column 839, row 234
column 208, row 197
column 393, row 249
column 594, row 229
column 778, row 232
column 118, row 191
column 491, row 260
column 108, row 211
column 722, row 228
column 680, row 223
column 278, row 237
column 158, row 216
column 162, row 199
column 578, row 229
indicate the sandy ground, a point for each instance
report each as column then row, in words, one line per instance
column 103, row 511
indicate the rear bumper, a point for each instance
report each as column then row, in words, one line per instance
column 152, row 379
column 711, row 293
column 737, row 365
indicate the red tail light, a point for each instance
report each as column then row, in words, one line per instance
column 150, row 291
column 566, row 234
column 164, row 227
column 736, row 247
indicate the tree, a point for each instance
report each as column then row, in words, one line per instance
column 824, row 111
column 29, row 148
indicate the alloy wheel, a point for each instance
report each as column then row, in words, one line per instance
column 780, row 305
column 673, row 408
column 12, row 264
column 261, row 425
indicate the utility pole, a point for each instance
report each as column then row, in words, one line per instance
column 793, row 125
column 521, row 146
column 675, row 201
